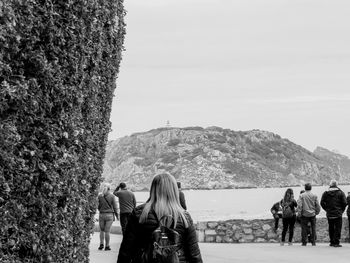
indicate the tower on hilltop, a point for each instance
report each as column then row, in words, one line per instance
column 168, row 124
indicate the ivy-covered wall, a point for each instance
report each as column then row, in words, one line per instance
column 59, row 60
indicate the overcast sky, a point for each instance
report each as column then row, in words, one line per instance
column 276, row 65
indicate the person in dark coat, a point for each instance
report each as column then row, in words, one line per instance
column 181, row 196
column 288, row 204
column 163, row 201
column 276, row 211
column 348, row 212
column 333, row 201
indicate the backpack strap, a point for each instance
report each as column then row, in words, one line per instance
column 111, row 207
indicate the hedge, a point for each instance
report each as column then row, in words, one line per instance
column 59, row 61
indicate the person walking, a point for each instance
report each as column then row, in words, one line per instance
column 288, row 204
column 308, row 208
column 127, row 202
column 163, row 202
column 181, row 196
column 107, row 207
column 348, row 212
column 333, row 201
column 276, row 211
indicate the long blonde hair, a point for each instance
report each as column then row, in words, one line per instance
column 106, row 188
column 164, row 199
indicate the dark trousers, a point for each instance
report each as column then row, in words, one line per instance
column 277, row 219
column 304, row 227
column 288, row 223
column 334, row 229
column 124, row 220
column 349, row 227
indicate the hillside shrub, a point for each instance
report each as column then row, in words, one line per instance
column 144, row 162
column 193, row 128
column 59, row 61
column 173, row 142
column 219, row 138
column 170, row 157
column 196, row 152
column 220, row 147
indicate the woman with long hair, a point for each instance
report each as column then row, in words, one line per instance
column 107, row 207
column 288, row 204
column 163, row 203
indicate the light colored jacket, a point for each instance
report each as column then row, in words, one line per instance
column 308, row 205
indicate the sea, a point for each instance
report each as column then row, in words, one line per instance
column 225, row 204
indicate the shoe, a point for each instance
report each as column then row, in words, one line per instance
column 303, row 244
column 282, row 243
column 313, row 244
column 337, row 245
column 100, row 247
column 290, row 243
column 107, row 248
column 331, row 245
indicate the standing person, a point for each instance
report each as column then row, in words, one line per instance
column 107, row 207
column 276, row 211
column 308, row 208
column 127, row 202
column 333, row 201
column 138, row 242
column 348, row 212
column 181, row 196
column 288, row 215
column 308, row 224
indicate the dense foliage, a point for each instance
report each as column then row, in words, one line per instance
column 59, row 60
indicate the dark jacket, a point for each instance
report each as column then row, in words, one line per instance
column 139, row 236
column 276, row 210
column 348, row 202
column 333, row 201
column 182, row 200
column 293, row 204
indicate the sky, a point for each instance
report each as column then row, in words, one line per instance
column 277, row 65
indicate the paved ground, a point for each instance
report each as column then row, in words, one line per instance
column 228, row 253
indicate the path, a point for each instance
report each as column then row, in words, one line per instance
column 251, row 252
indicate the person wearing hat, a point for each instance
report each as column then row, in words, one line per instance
column 333, row 201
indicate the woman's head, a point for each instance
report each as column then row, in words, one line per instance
column 289, row 195
column 106, row 188
column 164, row 189
column 164, row 199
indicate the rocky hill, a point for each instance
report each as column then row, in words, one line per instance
column 340, row 163
column 216, row 158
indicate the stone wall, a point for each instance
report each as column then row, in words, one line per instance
column 258, row 231
column 251, row 231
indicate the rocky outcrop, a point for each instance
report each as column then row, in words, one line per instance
column 214, row 158
column 340, row 163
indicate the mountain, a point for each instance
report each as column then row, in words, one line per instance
column 215, row 158
column 339, row 162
